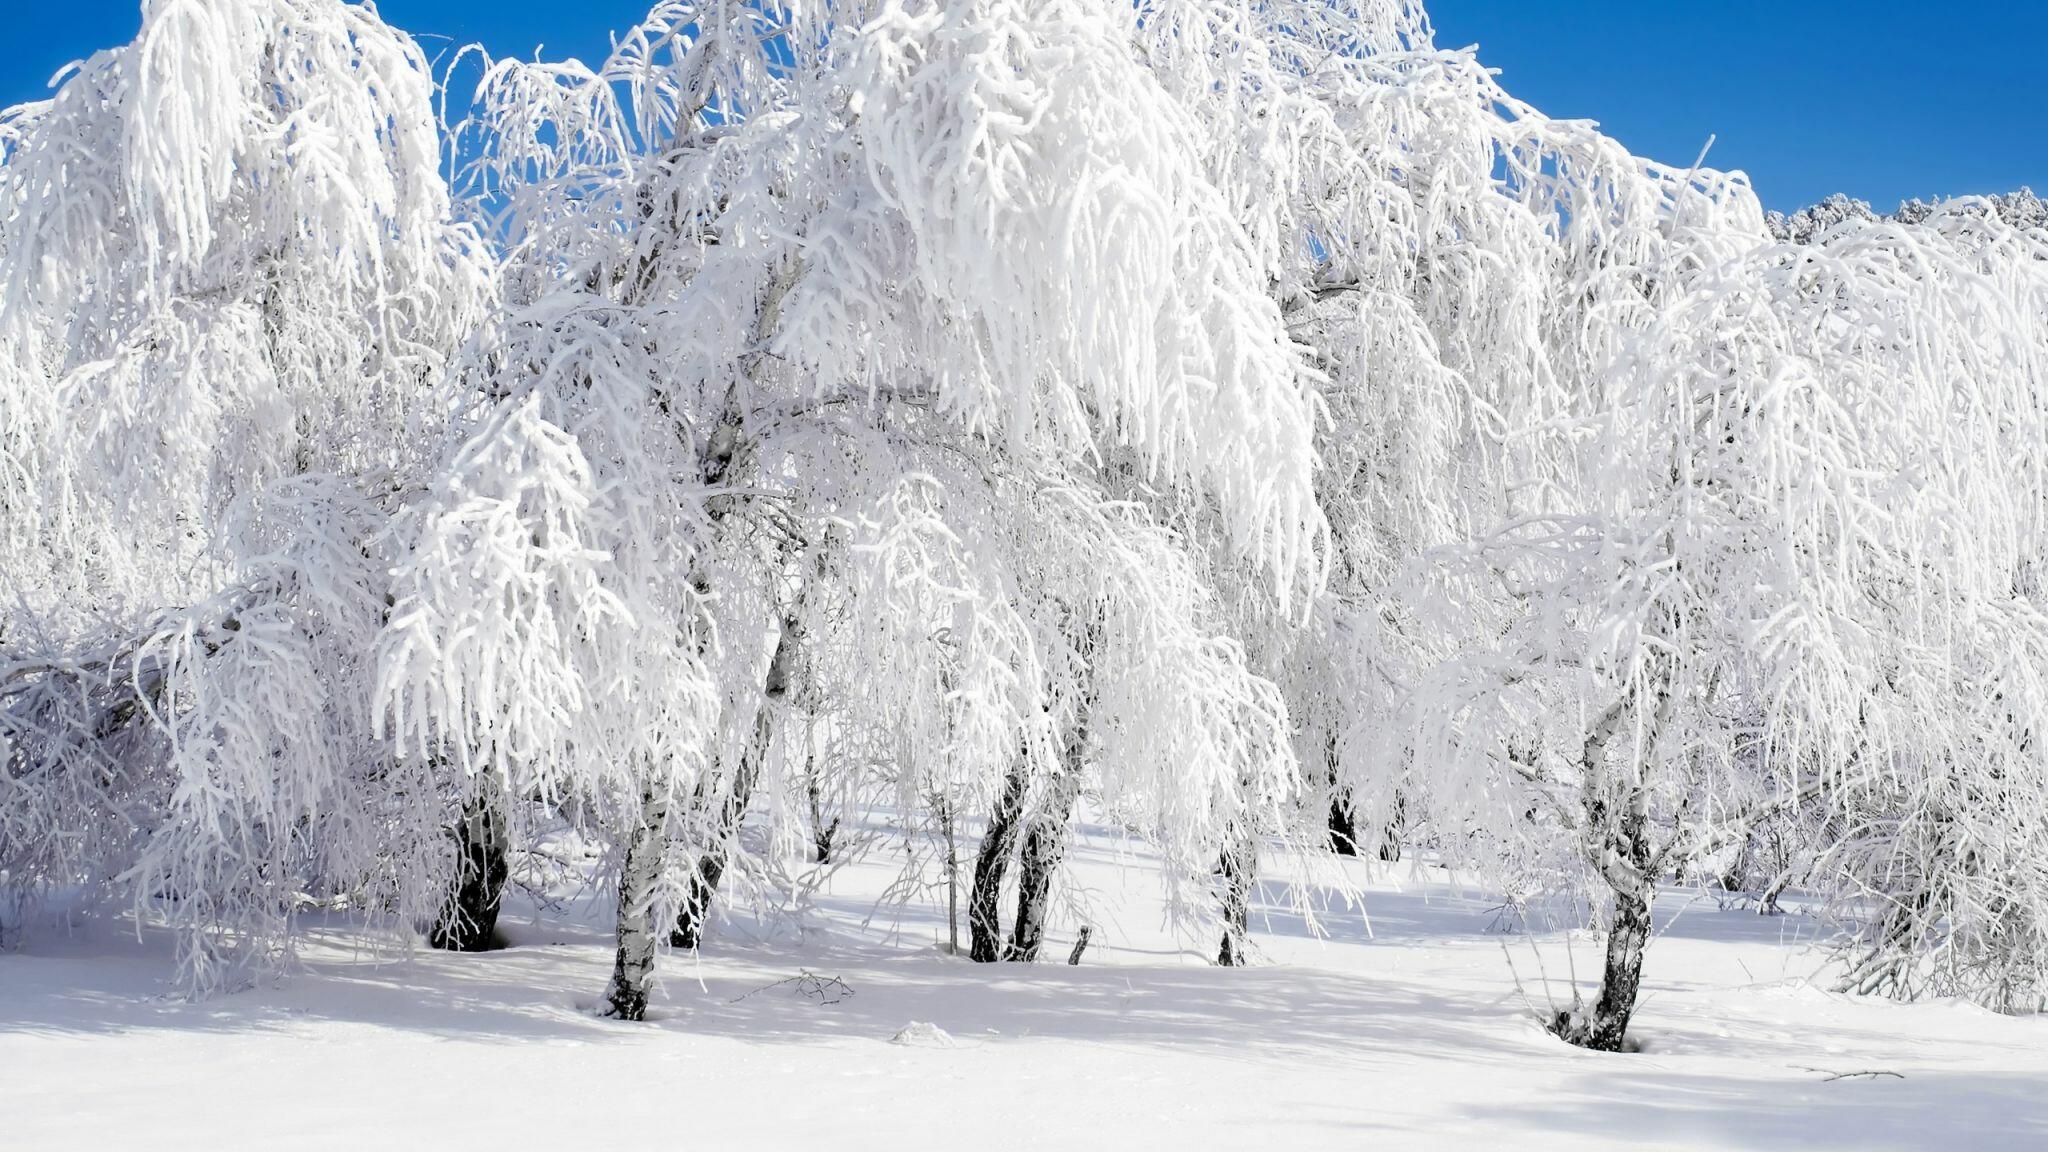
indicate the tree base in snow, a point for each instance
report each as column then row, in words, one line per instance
column 1232, row 953
column 470, row 923
column 622, row 1003
column 467, row 936
column 1591, row 1032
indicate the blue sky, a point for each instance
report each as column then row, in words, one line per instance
column 1882, row 99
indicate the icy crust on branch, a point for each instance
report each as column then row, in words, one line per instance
column 1943, row 853
column 2021, row 209
column 1049, row 263
column 1363, row 161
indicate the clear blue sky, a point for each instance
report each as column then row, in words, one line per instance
column 1882, row 99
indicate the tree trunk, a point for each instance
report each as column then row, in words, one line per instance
column 822, row 832
column 633, row 970
column 1080, row 945
column 1343, row 818
column 1626, row 864
column 1734, row 876
column 1619, row 812
column 1390, row 835
column 1343, row 824
column 952, row 879
column 1239, row 867
column 1045, row 843
column 470, row 922
column 688, row 930
column 695, row 913
column 1605, row 1027
column 984, row 914
column 696, row 910
column 1768, row 905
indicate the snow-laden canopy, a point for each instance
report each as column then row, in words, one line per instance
column 1246, row 415
column 231, row 294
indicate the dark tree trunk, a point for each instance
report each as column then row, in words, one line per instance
column 1617, row 811
column 1238, row 866
column 1343, row 824
column 1390, row 835
column 688, row 932
column 984, row 913
column 696, row 910
column 1733, row 877
column 1627, row 865
column 1080, row 945
column 1045, row 843
column 1605, row 1027
column 1343, row 818
column 470, row 922
column 1768, row 905
column 646, row 855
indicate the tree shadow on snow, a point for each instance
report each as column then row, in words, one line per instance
column 110, row 982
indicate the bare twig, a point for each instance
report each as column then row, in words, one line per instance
column 823, row 989
column 1830, row 1077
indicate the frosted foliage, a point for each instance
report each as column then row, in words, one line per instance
column 215, row 764
column 1633, row 510
column 971, row 672
column 1249, row 418
column 225, row 257
column 1031, row 209
column 506, row 626
column 1754, row 569
column 230, row 291
column 878, row 336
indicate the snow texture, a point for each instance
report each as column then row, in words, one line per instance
column 918, row 1034
column 1408, row 1035
column 1210, row 470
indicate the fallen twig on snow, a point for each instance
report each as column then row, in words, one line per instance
column 823, row 989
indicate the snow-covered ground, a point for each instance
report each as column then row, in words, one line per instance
column 1412, row 1034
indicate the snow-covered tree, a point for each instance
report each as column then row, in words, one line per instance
column 1652, row 519
column 775, row 279
column 1248, row 422
column 1932, row 835
column 230, row 289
